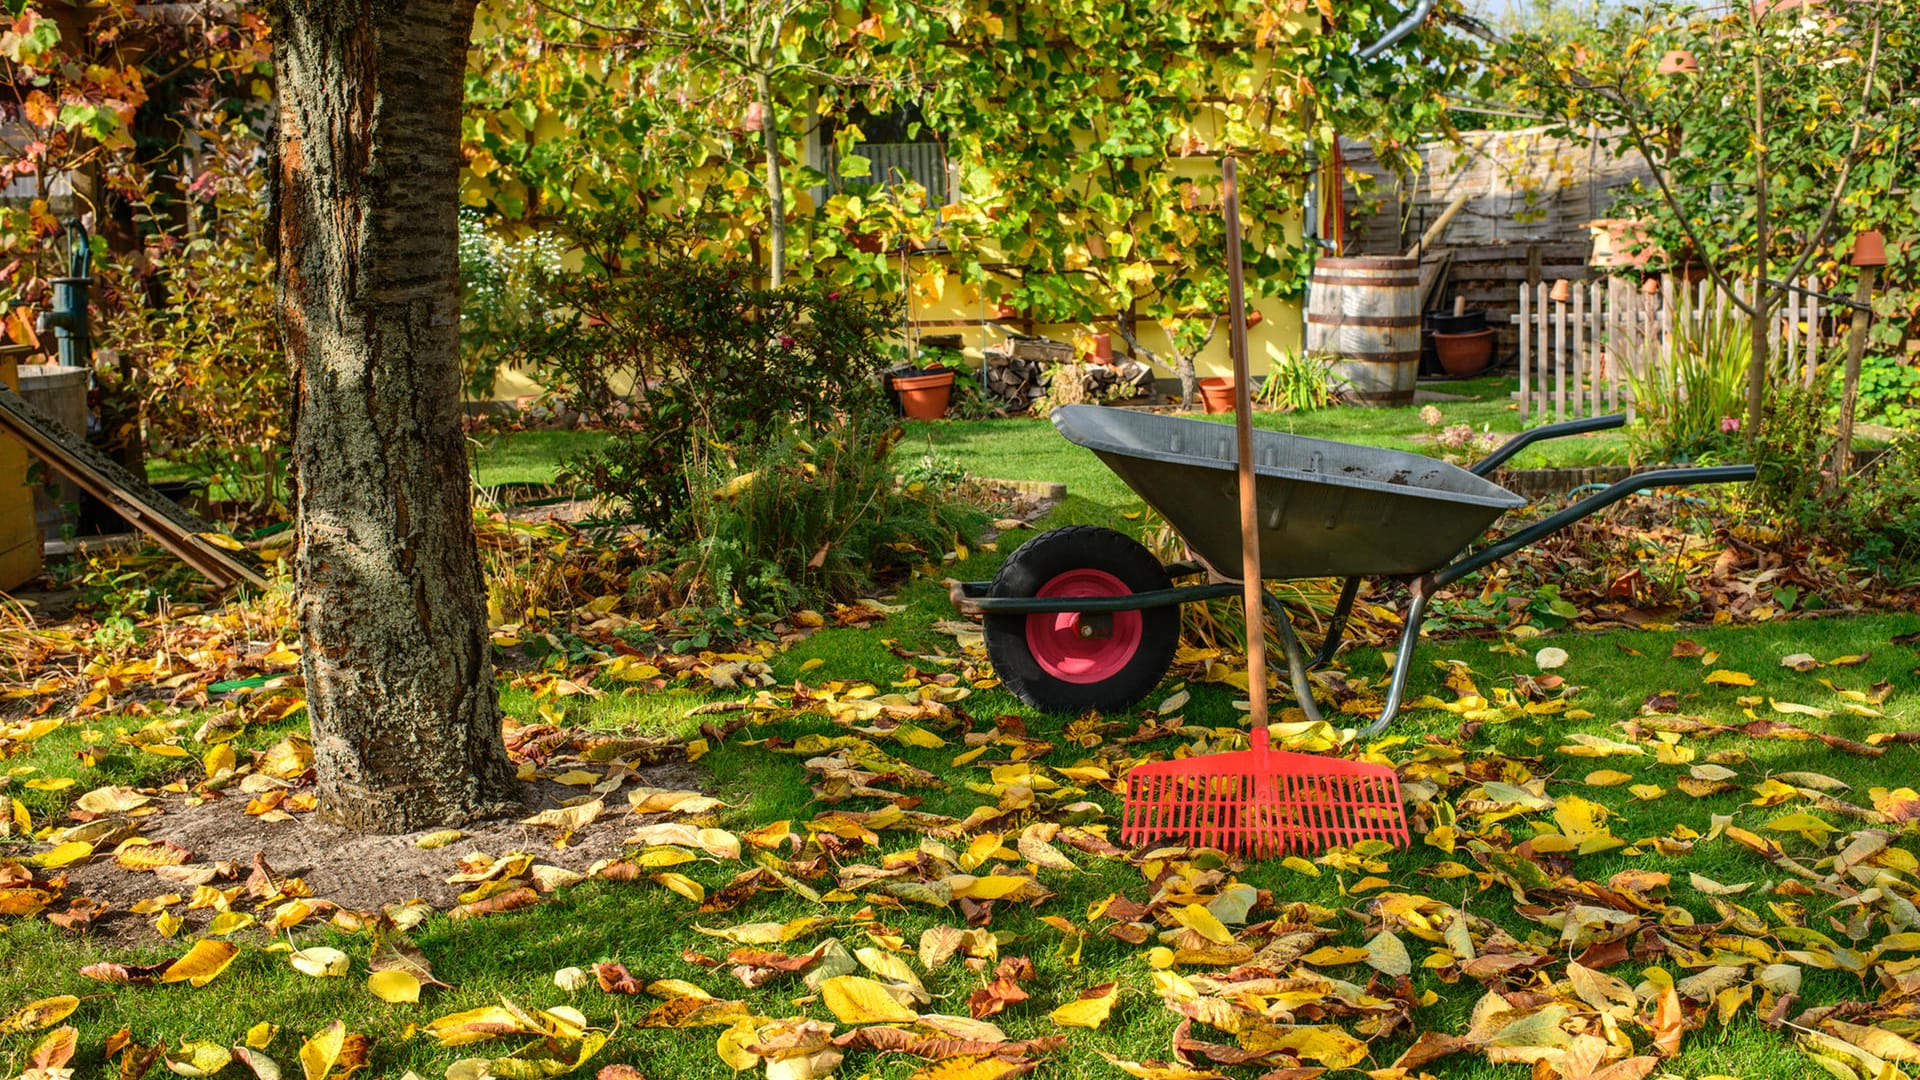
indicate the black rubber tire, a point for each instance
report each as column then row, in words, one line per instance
column 1039, row 561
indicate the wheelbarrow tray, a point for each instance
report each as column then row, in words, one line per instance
column 1327, row 509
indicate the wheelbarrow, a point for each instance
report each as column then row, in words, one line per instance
column 1085, row 618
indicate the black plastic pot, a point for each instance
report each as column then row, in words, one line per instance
column 1467, row 322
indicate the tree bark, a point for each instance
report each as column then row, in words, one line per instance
column 1762, row 359
column 1850, row 379
column 391, row 608
column 776, row 193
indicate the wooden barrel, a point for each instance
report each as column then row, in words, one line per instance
column 61, row 393
column 1364, row 315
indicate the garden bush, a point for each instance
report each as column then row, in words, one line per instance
column 1690, row 401
column 501, row 301
column 680, row 358
column 205, row 368
column 814, row 515
column 1871, row 512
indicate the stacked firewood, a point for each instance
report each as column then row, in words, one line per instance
column 1021, row 371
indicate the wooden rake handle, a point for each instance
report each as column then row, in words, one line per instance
column 1243, row 433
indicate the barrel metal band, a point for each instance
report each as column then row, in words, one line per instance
column 1406, row 282
column 1388, row 321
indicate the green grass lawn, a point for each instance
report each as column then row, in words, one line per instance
column 647, row 928
column 651, row 930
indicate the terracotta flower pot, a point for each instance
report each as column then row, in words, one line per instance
column 1216, row 394
column 924, row 397
column 1465, row 354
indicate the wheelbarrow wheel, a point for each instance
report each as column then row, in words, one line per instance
column 1074, row 663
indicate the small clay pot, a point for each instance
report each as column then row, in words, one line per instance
column 1216, row 394
column 924, row 397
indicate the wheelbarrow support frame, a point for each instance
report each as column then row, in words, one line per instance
column 974, row 596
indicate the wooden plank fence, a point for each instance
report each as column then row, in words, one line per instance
column 1577, row 355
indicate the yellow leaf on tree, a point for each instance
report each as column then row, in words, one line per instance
column 1090, row 1011
column 858, row 1000
column 202, row 964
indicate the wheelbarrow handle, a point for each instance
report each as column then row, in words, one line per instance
column 1551, row 431
column 1500, row 549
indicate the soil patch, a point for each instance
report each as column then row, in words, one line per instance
column 355, row 871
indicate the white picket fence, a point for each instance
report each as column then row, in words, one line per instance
column 1575, row 354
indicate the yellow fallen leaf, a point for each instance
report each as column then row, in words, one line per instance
column 1726, row 677
column 681, row 884
column 260, row 1036
column 320, row 962
column 394, row 986
column 1198, row 919
column 858, row 1000
column 318, row 1054
column 196, row 1058
column 202, row 964
column 39, row 1014
column 1607, row 778
column 1090, row 1010
column 63, row 855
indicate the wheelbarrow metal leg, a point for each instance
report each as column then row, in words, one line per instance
column 1296, row 656
column 1337, row 626
column 1403, row 660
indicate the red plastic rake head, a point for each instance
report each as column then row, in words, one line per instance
column 1263, row 802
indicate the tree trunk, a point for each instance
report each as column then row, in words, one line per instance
column 1850, row 379
column 392, row 612
column 776, row 195
column 1762, row 359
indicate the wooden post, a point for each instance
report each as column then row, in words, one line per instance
column 1526, row 353
column 1593, row 394
column 1559, row 360
column 1542, row 342
column 1790, row 347
column 1579, row 349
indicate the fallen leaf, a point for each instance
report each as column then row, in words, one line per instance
column 1090, row 1009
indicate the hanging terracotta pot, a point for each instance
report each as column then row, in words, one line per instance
column 1678, row 62
column 1255, row 318
column 1870, row 249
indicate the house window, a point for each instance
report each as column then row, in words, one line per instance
column 900, row 148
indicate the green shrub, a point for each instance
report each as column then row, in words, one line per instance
column 1690, row 400
column 1299, row 383
column 206, row 368
column 812, row 516
column 1872, row 512
column 1889, row 391
column 680, row 357
column 501, row 300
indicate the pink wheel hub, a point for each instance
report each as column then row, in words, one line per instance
column 1076, row 648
